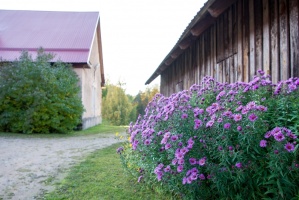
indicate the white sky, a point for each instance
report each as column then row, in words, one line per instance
column 136, row 34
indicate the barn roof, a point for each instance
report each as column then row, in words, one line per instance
column 206, row 16
column 68, row 35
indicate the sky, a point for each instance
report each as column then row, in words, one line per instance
column 136, row 34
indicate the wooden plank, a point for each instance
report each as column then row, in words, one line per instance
column 294, row 42
column 258, row 35
column 284, row 40
column 245, row 41
column 251, row 40
column 239, row 62
column 208, row 52
column 220, row 39
column 266, row 37
column 202, row 25
column 225, row 36
column 203, row 53
column 212, row 51
column 231, row 70
column 274, row 45
column 229, row 38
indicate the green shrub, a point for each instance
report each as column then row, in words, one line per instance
column 37, row 97
column 220, row 141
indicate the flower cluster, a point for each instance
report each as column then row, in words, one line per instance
column 217, row 134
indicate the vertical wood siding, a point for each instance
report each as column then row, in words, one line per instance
column 250, row 35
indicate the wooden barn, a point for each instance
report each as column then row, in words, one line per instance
column 230, row 40
column 73, row 37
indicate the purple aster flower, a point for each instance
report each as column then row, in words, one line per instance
column 239, row 128
column 202, row 161
column 220, row 148
column 174, row 161
column 147, row 142
column 179, row 155
column 230, row 148
column 279, row 137
column 268, row 134
column 226, row 126
column 237, row 117
column 174, row 138
column 289, row 147
column 192, row 161
column 167, row 168
column 184, row 116
column 263, row 143
column 219, row 120
column 193, row 176
column 238, row 165
column 181, row 161
column 180, row 168
column 252, row 117
column 276, row 151
column 167, row 146
column 210, row 123
column 202, row 177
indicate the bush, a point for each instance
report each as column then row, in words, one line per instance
column 37, row 97
column 219, row 141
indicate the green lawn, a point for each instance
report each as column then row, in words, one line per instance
column 101, row 176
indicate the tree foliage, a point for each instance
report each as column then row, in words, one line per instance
column 117, row 106
column 144, row 97
column 37, row 97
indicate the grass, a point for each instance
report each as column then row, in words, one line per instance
column 101, row 177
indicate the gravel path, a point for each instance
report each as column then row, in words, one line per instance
column 29, row 167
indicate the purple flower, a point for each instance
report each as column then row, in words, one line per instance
column 279, row 137
column 237, row 117
column 147, row 142
column 238, row 165
column 226, row 126
column 202, row 177
column 220, row 148
column 263, row 143
column 252, row 117
column 167, row 168
column 184, row 116
column 239, row 128
column 174, row 138
column 180, row 168
column 289, row 147
column 167, row 146
column 230, row 148
column 202, row 161
column 268, row 134
column 181, row 161
column 192, row 161
column 210, row 123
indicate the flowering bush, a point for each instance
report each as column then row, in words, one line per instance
column 220, row 141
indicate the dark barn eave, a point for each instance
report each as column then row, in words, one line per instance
column 201, row 22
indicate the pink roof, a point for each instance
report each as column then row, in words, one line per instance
column 68, row 35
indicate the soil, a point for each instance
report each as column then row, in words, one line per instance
column 30, row 167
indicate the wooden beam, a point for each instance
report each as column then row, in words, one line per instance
column 168, row 61
column 202, row 25
column 218, row 7
column 185, row 43
column 178, row 51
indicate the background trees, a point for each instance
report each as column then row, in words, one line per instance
column 120, row 108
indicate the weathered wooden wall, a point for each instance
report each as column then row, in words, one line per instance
column 250, row 35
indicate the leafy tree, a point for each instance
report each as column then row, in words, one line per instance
column 117, row 107
column 37, row 97
column 143, row 98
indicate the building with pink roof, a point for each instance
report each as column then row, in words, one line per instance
column 73, row 37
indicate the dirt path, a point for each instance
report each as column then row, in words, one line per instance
column 30, row 166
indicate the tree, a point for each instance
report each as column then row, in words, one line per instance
column 143, row 98
column 37, row 97
column 117, row 107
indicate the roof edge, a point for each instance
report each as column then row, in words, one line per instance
column 209, row 13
